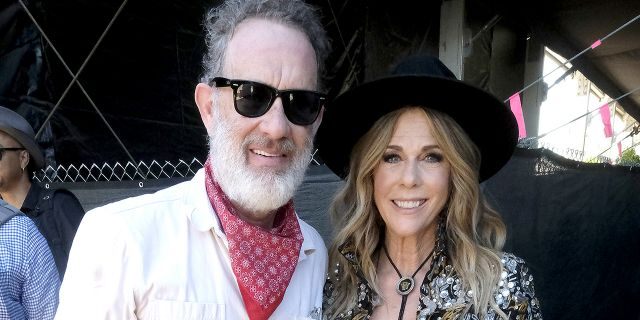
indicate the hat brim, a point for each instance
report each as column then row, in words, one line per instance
column 28, row 143
column 485, row 119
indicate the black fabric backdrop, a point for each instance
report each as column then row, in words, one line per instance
column 577, row 225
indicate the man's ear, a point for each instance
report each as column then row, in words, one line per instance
column 203, row 99
column 25, row 157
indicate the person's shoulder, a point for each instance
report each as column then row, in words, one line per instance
column 143, row 204
column 511, row 262
column 44, row 198
column 66, row 200
column 516, row 289
column 137, row 212
column 131, row 223
column 20, row 224
column 140, row 216
column 516, row 274
column 21, row 233
column 508, row 256
column 7, row 212
column 157, row 202
column 63, row 195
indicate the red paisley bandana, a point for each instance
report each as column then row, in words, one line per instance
column 263, row 261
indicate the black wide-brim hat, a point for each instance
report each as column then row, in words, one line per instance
column 418, row 81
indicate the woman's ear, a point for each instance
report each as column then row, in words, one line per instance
column 203, row 96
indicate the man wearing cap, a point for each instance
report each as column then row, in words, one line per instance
column 56, row 213
column 28, row 277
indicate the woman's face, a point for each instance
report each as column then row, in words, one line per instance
column 411, row 182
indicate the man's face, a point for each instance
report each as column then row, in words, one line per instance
column 259, row 162
column 10, row 164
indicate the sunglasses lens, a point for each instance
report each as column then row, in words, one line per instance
column 253, row 99
column 302, row 107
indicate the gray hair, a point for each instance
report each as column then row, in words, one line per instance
column 221, row 21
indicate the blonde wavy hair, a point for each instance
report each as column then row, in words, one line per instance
column 475, row 233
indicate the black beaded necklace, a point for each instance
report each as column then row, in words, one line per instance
column 405, row 284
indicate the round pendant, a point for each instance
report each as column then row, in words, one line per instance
column 404, row 286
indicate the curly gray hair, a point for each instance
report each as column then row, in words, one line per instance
column 221, row 21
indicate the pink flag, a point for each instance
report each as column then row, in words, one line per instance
column 620, row 149
column 516, row 108
column 596, row 44
column 605, row 114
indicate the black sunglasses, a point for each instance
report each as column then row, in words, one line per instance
column 253, row 99
column 2, row 150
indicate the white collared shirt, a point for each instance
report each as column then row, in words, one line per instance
column 164, row 256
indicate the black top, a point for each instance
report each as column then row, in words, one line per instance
column 57, row 213
column 442, row 293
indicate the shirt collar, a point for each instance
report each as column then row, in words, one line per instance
column 31, row 201
column 201, row 213
column 204, row 218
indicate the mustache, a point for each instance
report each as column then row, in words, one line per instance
column 285, row 145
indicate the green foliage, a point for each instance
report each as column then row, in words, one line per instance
column 630, row 158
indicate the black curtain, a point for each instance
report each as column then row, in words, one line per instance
column 577, row 226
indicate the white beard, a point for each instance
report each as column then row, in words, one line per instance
column 256, row 191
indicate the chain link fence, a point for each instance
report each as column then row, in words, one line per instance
column 130, row 171
column 125, row 171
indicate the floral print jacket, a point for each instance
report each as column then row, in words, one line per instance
column 442, row 295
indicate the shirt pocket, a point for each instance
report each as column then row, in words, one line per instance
column 171, row 310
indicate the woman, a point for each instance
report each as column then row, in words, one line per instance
column 57, row 213
column 414, row 237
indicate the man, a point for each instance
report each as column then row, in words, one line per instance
column 56, row 213
column 227, row 244
column 29, row 282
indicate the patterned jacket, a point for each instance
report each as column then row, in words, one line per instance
column 442, row 295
